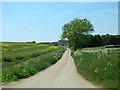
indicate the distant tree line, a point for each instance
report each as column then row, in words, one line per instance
column 77, row 31
column 31, row 42
column 50, row 43
column 97, row 40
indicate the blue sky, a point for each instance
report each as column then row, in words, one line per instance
column 43, row 21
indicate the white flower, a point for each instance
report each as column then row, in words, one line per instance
column 104, row 68
column 96, row 71
column 90, row 65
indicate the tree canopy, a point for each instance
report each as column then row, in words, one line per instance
column 75, row 30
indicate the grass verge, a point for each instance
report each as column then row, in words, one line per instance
column 32, row 66
column 100, row 68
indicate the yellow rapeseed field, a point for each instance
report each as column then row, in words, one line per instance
column 30, row 45
column 5, row 44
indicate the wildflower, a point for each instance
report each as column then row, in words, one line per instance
column 97, row 68
column 104, row 68
column 96, row 71
column 81, row 59
column 109, row 62
column 90, row 65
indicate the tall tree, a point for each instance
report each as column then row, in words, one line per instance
column 76, row 29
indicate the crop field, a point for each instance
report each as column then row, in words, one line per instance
column 99, row 65
column 21, row 60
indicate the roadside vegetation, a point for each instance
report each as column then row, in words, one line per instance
column 99, row 65
column 21, row 60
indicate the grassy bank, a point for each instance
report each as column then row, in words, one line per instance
column 98, row 65
column 37, row 60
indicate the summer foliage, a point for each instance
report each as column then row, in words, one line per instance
column 75, row 29
column 78, row 32
column 21, row 60
column 98, row 65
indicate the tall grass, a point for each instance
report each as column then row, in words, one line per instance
column 99, row 68
column 20, row 52
column 21, row 60
column 32, row 66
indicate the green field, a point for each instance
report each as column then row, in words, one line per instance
column 21, row 60
column 99, row 65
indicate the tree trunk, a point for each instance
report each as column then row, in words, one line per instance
column 75, row 45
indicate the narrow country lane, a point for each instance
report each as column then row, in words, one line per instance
column 63, row 74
